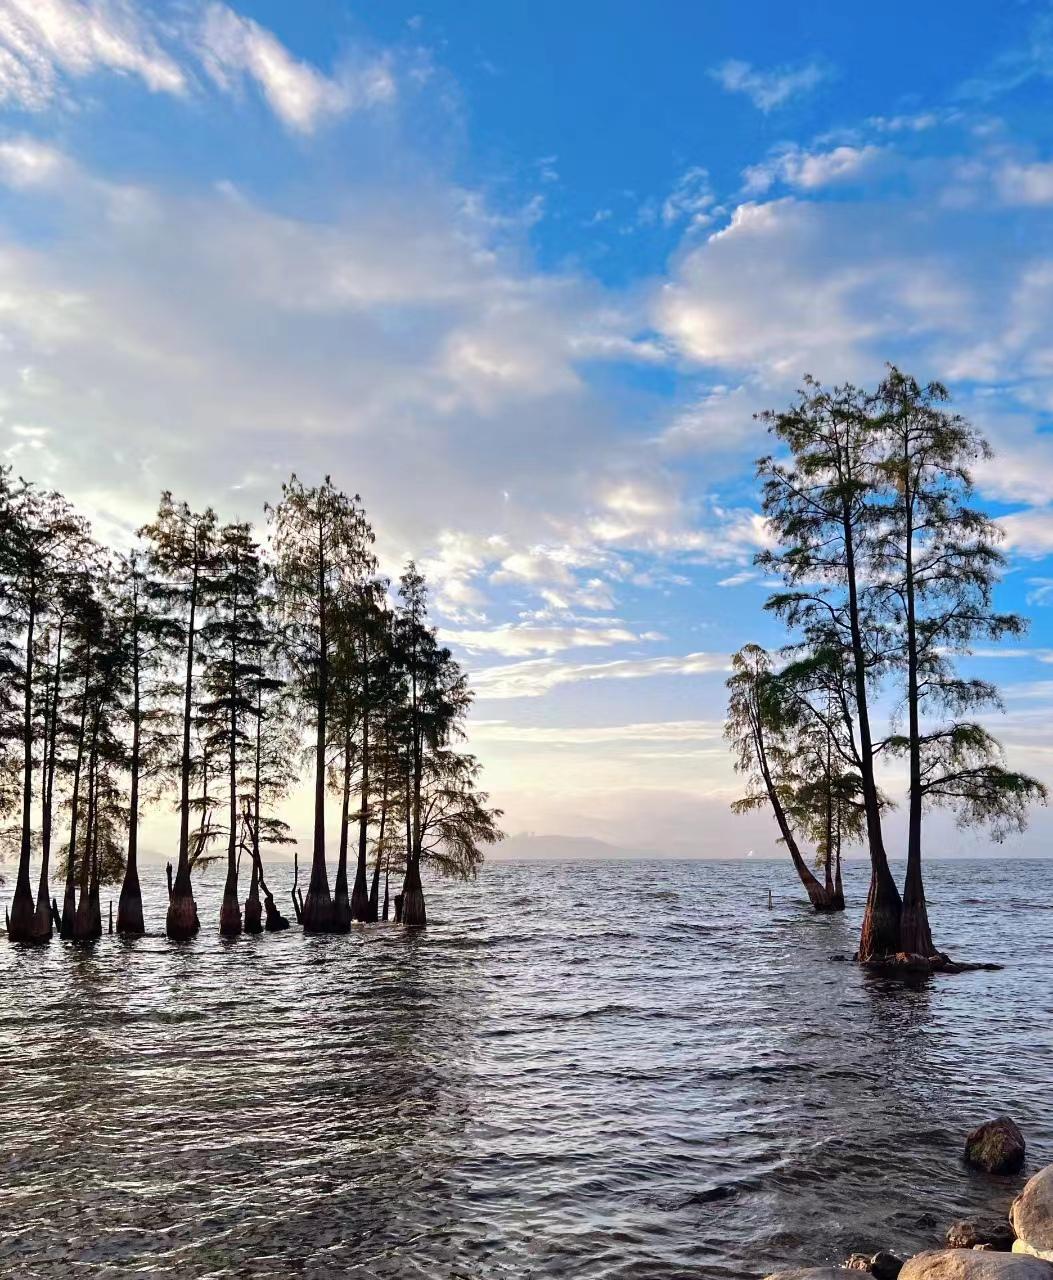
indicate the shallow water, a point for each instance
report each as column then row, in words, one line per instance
column 579, row 1070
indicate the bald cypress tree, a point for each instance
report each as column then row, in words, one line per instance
column 317, row 533
column 937, row 560
column 181, row 547
column 820, row 508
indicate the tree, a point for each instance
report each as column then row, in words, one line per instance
column 316, row 531
column 39, row 535
column 936, row 557
column 151, row 640
column 820, row 509
column 438, row 699
column 231, row 643
column 760, row 727
column 181, row 558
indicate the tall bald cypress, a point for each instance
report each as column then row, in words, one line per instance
column 181, row 545
column 316, row 532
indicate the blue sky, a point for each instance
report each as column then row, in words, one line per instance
column 521, row 274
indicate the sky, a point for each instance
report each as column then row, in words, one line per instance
column 521, row 274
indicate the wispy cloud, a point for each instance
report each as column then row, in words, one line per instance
column 234, row 48
column 598, row 735
column 769, row 89
column 539, row 676
column 43, row 43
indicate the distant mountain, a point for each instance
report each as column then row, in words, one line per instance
column 526, row 844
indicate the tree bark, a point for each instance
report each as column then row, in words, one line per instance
column 230, row 907
column 879, row 935
column 341, row 902
column 360, row 894
column 181, row 923
column 23, row 925
column 317, row 913
column 915, row 934
column 130, row 904
column 43, row 921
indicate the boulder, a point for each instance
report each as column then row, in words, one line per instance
column 974, row 1264
column 973, row 1232
column 996, row 1147
column 1032, row 1217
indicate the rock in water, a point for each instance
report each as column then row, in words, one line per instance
column 1032, row 1217
column 885, row 1265
column 974, row 1264
column 996, row 1147
column 995, row 1232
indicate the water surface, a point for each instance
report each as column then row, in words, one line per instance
column 590, row 1069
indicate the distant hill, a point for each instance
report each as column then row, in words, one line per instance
column 526, row 844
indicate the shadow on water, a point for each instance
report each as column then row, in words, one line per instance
column 547, row 1082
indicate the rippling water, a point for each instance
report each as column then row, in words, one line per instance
column 579, row 1070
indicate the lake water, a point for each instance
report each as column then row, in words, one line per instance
column 592, row 1069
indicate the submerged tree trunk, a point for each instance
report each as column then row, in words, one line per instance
column 83, row 919
column 44, row 918
column 253, row 906
column 360, row 894
column 130, row 904
column 373, row 913
column 181, row 923
column 23, row 925
column 69, row 901
column 879, row 935
column 316, row 915
column 341, row 902
column 915, row 934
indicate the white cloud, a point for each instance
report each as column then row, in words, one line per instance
column 597, row 735
column 26, row 163
column 518, row 639
column 1025, row 184
column 233, row 47
column 690, row 201
column 42, row 42
column 810, row 170
column 538, row 676
column 769, row 89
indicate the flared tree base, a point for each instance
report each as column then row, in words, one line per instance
column 414, row 912
column 276, row 922
column 230, row 916
column 341, row 913
column 69, row 913
column 181, row 923
column 253, row 914
column 24, row 923
column 130, row 923
column 317, row 912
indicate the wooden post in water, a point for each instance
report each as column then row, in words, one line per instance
column 770, row 904
column 111, row 916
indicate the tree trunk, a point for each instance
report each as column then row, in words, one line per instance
column 915, row 934
column 130, row 904
column 317, row 913
column 181, row 923
column 24, row 925
column 230, row 908
column 69, row 901
column 414, row 912
column 253, row 911
column 253, row 906
column 373, row 913
column 341, row 902
column 879, row 935
column 817, row 895
column 360, row 894
column 83, row 922
column 43, row 922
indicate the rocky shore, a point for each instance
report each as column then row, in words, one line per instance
column 1017, row 1248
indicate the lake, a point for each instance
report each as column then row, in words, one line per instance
column 589, row 1069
